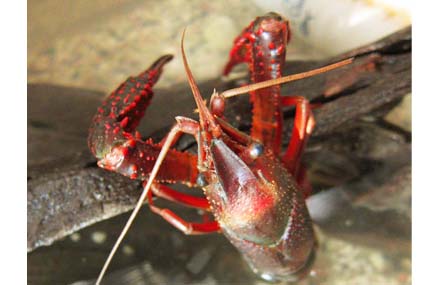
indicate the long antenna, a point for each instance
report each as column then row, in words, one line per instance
column 272, row 82
column 204, row 114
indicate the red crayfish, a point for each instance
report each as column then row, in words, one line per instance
column 254, row 193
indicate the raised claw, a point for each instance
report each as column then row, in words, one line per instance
column 114, row 141
column 121, row 111
column 262, row 45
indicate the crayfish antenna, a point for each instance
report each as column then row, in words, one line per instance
column 205, row 116
column 285, row 79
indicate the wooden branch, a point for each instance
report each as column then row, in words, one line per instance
column 66, row 190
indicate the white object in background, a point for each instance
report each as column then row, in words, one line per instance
column 330, row 27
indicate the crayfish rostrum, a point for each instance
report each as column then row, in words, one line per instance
column 255, row 194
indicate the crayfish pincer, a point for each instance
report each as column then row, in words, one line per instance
column 255, row 194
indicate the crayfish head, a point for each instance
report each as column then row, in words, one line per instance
column 251, row 200
column 262, row 211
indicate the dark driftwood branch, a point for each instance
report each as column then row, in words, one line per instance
column 66, row 190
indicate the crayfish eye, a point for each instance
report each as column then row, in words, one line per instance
column 201, row 181
column 255, row 150
column 217, row 105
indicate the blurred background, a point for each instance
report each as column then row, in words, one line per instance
column 97, row 44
